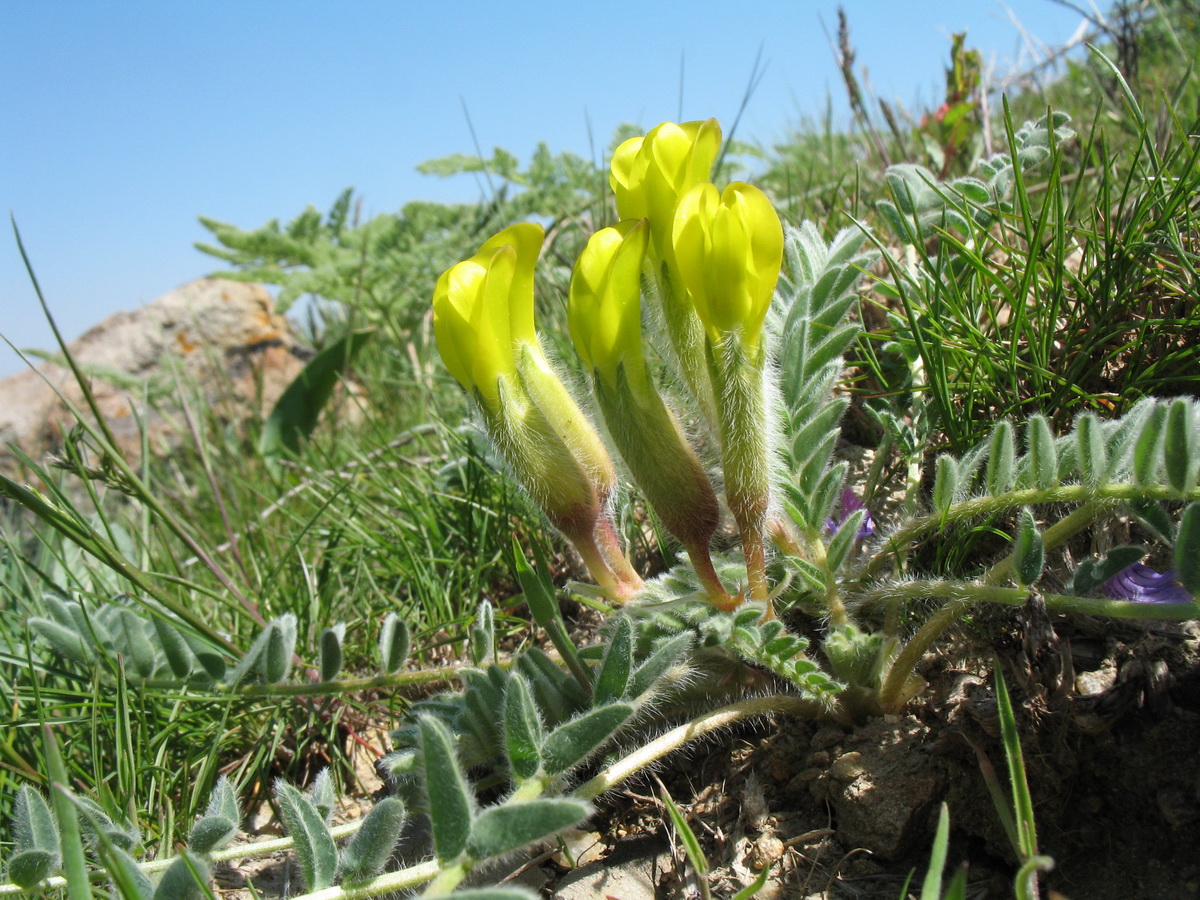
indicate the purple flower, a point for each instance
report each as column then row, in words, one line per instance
column 850, row 505
column 1141, row 584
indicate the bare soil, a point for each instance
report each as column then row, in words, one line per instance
column 1110, row 721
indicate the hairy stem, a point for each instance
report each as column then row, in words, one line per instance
column 978, row 507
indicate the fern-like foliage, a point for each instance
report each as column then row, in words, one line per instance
column 813, row 329
column 384, row 267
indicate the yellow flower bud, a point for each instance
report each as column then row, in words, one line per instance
column 526, row 239
column 604, row 313
column 728, row 251
column 471, row 321
column 484, row 324
column 649, row 174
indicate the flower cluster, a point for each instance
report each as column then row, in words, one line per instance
column 699, row 263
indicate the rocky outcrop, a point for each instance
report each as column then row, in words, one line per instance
column 220, row 339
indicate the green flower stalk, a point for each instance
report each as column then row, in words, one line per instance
column 484, row 324
column 604, row 316
column 728, row 250
column 648, row 176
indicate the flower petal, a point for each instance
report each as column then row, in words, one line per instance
column 1141, row 584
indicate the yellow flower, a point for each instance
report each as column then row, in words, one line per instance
column 649, row 174
column 605, row 306
column 728, row 250
column 483, row 310
column 483, row 321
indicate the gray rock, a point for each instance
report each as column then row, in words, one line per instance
column 886, row 789
column 222, row 336
column 630, row 872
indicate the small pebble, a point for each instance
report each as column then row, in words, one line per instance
column 847, row 767
column 826, row 736
column 768, row 850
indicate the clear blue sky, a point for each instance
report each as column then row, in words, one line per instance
column 120, row 122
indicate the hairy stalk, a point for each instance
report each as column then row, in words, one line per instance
column 324, row 688
column 833, row 600
column 975, row 592
column 984, row 506
column 745, row 450
column 698, row 727
column 964, row 595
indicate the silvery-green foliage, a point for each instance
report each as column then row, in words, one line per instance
column 533, row 720
column 1000, row 458
column 1147, row 449
column 147, row 641
column 947, row 481
column 464, row 835
column 844, row 540
column 920, row 205
column 613, row 677
column 1032, row 142
column 130, row 881
column 855, row 655
column 315, row 849
column 219, row 824
column 276, row 659
column 1039, row 467
column 510, row 826
column 35, row 833
column 329, row 651
column 270, row 656
column 393, row 644
column 321, row 795
column 185, row 879
column 1029, row 551
column 450, row 816
column 524, row 733
column 809, row 319
column 180, row 658
column 743, row 633
column 98, row 826
column 365, row 855
column 574, row 741
column 1180, row 458
column 1144, row 448
column 1132, row 449
column 1187, row 549
column 483, row 635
